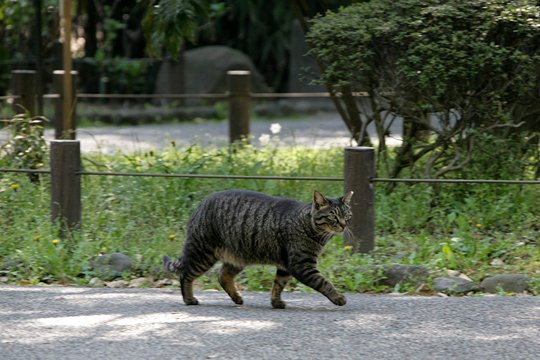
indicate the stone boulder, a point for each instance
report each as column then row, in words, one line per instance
column 117, row 284
column 110, row 266
column 510, row 283
column 403, row 275
column 453, row 285
column 204, row 70
column 10, row 264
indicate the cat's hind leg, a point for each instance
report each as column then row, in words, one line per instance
column 194, row 262
column 282, row 277
column 177, row 267
column 226, row 280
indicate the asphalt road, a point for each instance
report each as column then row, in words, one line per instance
column 91, row 323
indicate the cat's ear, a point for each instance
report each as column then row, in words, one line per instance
column 319, row 200
column 346, row 199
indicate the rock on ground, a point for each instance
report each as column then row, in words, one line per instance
column 511, row 283
column 453, row 285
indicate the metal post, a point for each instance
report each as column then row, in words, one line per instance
column 239, row 82
column 24, row 85
column 359, row 170
column 65, row 124
column 66, row 184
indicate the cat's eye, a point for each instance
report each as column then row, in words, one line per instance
column 331, row 217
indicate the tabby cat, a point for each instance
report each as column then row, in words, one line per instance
column 241, row 228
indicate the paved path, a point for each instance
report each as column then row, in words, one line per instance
column 86, row 323
column 322, row 130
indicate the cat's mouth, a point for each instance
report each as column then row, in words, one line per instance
column 340, row 227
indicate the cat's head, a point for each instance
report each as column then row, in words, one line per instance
column 331, row 215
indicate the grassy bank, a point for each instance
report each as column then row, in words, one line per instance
column 477, row 229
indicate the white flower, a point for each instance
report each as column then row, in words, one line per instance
column 275, row 128
column 264, row 139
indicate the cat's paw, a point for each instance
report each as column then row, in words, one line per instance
column 339, row 300
column 278, row 304
column 238, row 300
column 192, row 301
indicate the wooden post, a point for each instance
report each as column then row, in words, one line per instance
column 359, row 170
column 67, row 83
column 38, row 43
column 66, row 184
column 239, row 82
column 64, row 124
column 24, row 85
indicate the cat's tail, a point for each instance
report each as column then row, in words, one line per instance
column 171, row 266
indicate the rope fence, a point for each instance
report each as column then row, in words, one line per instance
column 459, row 181
column 223, row 96
column 279, row 178
column 9, row 97
column 359, row 176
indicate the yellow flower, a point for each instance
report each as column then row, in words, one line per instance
column 172, row 237
column 55, row 242
column 37, row 238
column 478, row 226
column 347, row 248
column 14, row 186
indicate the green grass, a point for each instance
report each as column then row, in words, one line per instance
column 461, row 227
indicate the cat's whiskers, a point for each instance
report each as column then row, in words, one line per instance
column 348, row 232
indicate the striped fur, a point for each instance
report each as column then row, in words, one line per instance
column 241, row 228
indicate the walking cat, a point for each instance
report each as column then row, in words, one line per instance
column 241, row 228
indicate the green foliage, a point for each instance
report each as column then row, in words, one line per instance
column 25, row 148
column 260, row 29
column 169, row 22
column 534, row 285
column 472, row 64
column 457, row 226
column 120, row 75
column 439, row 50
column 17, row 31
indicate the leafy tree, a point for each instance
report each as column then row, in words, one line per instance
column 260, row 29
column 168, row 23
column 20, row 33
column 473, row 64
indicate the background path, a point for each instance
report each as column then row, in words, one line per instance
column 91, row 323
column 319, row 131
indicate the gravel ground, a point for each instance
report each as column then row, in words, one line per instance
column 101, row 323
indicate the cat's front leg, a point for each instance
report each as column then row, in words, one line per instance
column 310, row 276
column 282, row 277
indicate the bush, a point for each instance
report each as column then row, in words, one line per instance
column 471, row 65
